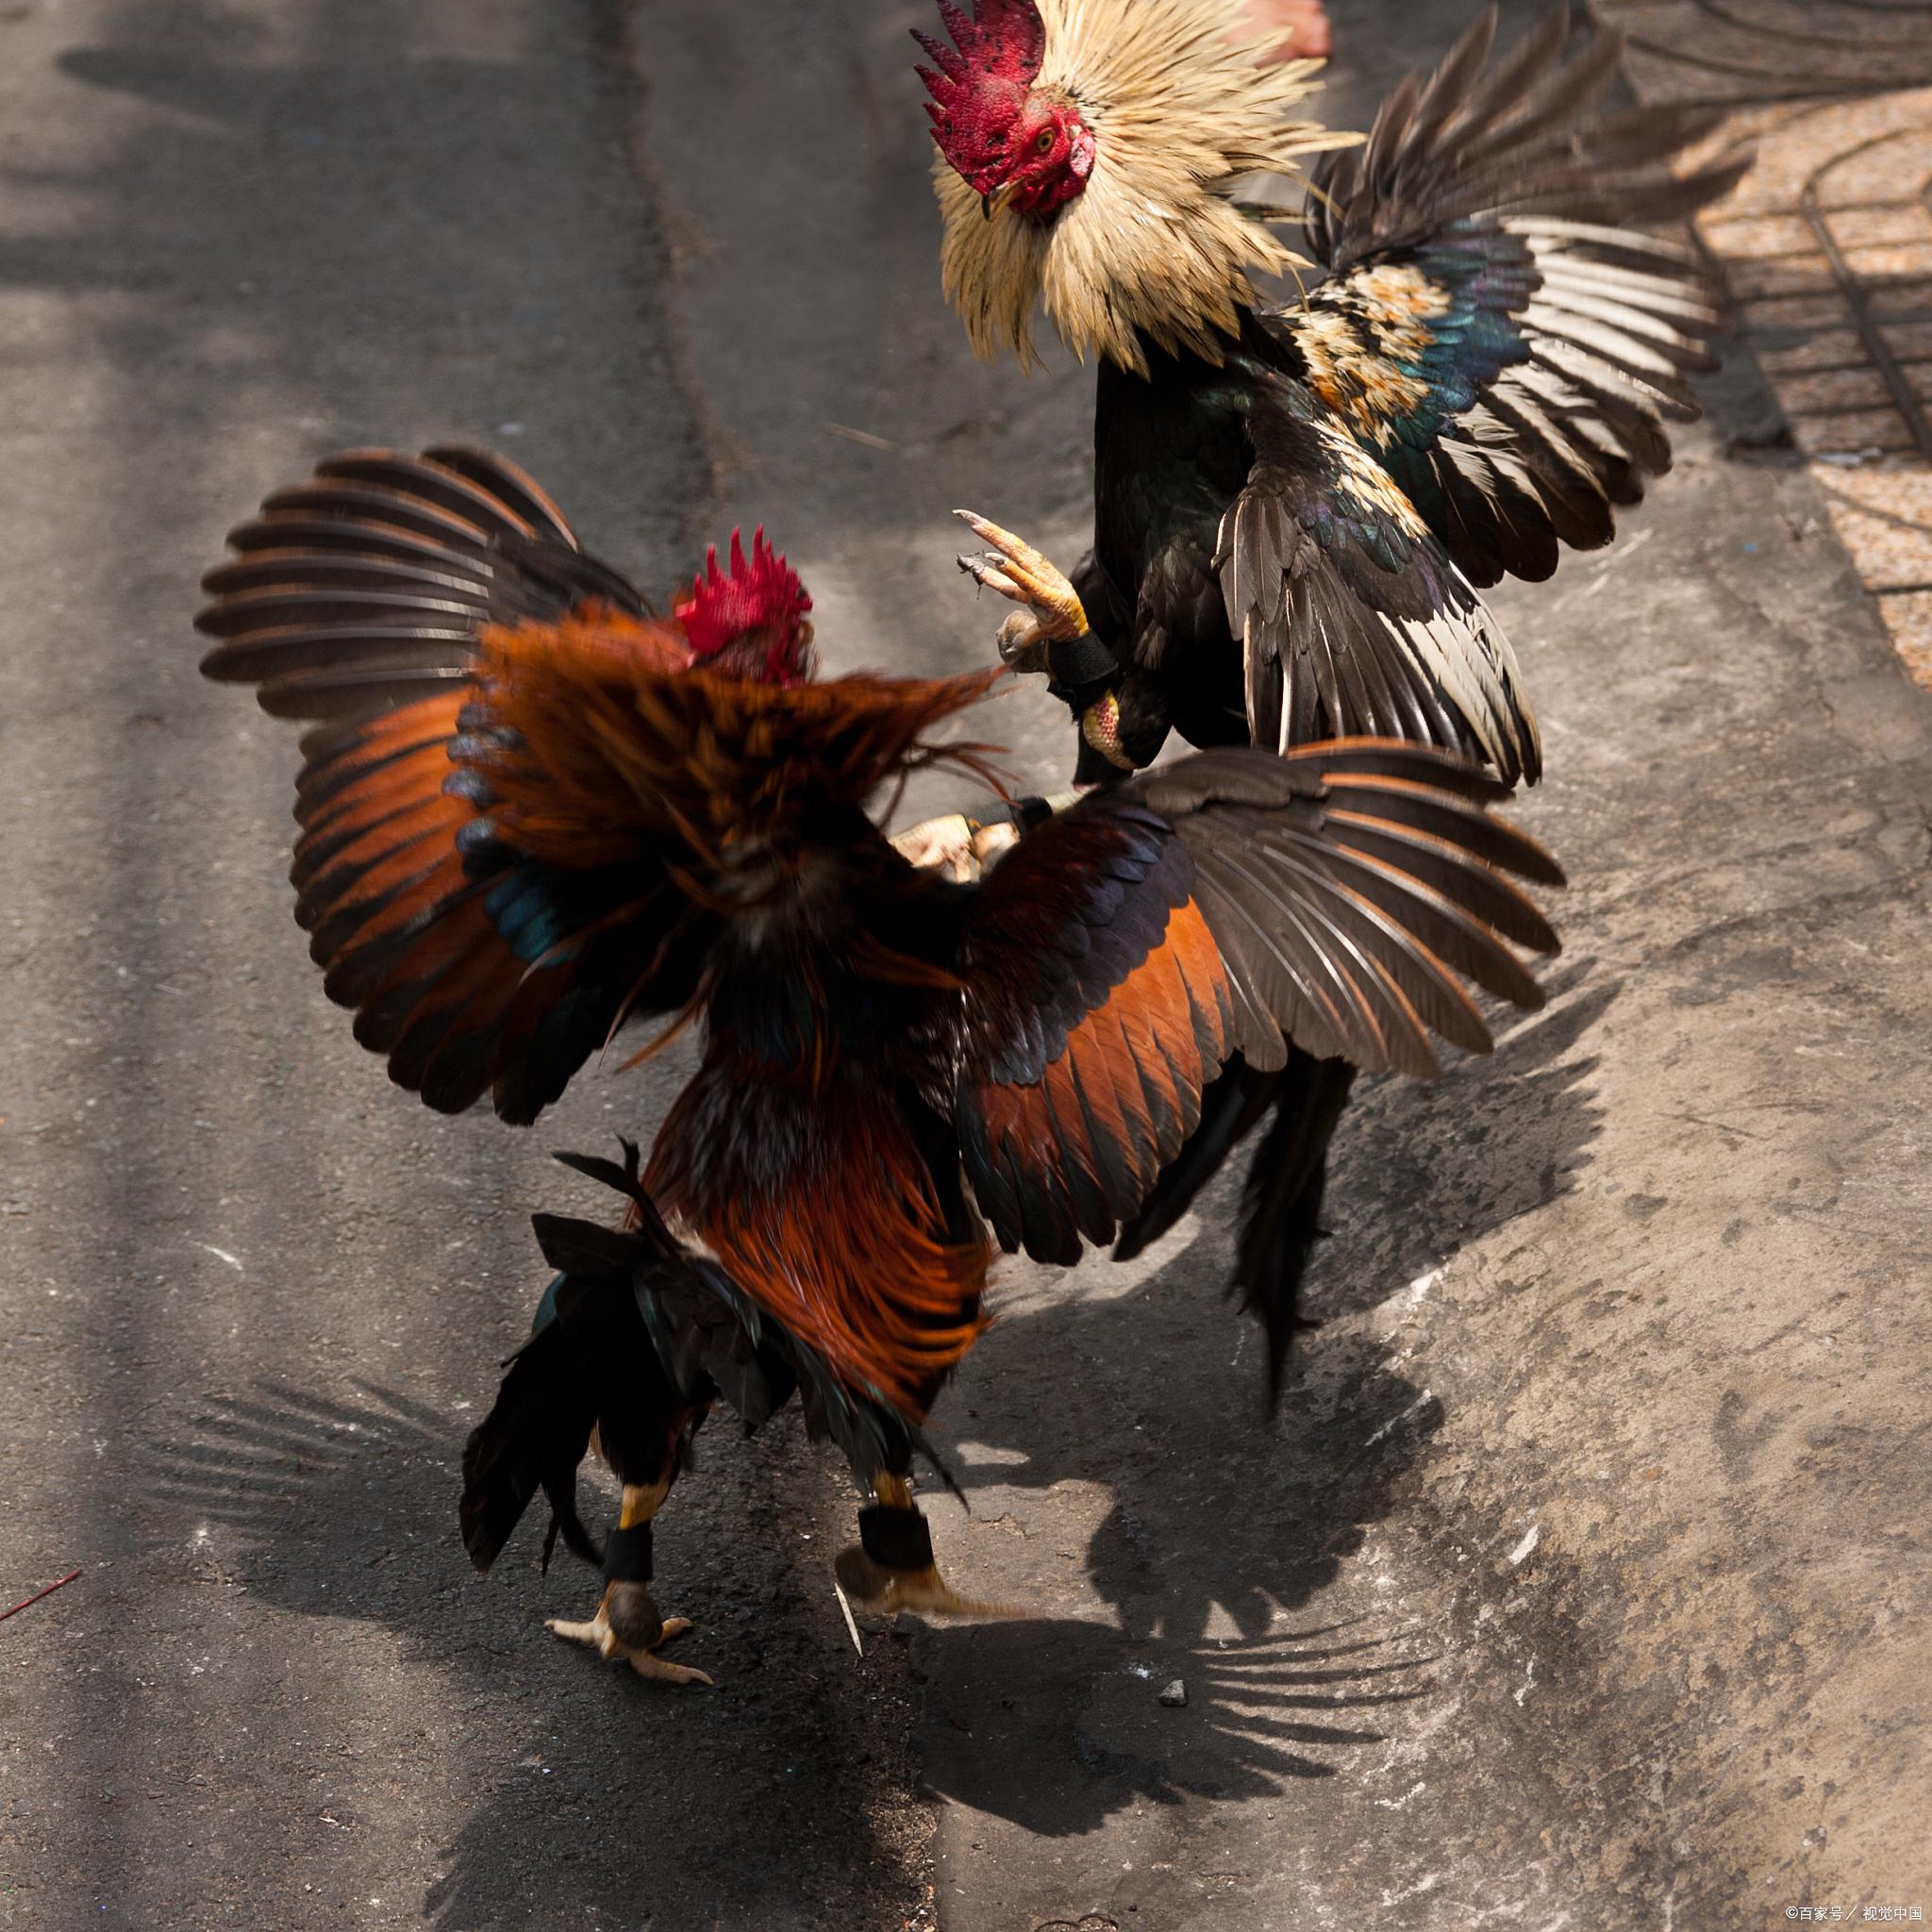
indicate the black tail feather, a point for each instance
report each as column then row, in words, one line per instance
column 647, row 1333
column 1232, row 1103
column 592, row 1365
column 1281, row 1205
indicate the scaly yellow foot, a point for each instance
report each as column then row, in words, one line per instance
column 1021, row 572
column 642, row 1632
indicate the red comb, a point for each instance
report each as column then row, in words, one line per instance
column 762, row 592
column 977, row 83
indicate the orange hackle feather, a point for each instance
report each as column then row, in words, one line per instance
column 615, row 748
column 598, row 750
column 596, row 736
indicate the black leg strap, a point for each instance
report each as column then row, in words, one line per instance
column 1073, row 662
column 627, row 1555
column 895, row 1538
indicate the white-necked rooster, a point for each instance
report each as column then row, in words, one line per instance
column 1295, row 504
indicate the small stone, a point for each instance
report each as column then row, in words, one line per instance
column 1175, row 1695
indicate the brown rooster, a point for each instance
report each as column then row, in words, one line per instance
column 531, row 812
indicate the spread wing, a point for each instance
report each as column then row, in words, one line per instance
column 1354, row 620
column 366, row 586
column 1496, row 327
column 363, row 599
column 517, row 806
column 1231, row 902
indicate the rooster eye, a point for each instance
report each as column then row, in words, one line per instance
column 1046, row 141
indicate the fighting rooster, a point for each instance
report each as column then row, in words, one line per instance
column 1295, row 506
column 531, row 811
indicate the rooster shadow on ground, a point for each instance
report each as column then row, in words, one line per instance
column 1215, row 1558
column 1226, row 1555
column 346, row 1507
column 1058, row 1721
column 343, row 1508
column 1421, row 1170
column 1224, row 1527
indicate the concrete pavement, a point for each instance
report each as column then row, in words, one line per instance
column 1579, row 1581
column 254, row 1297
column 1567, row 1589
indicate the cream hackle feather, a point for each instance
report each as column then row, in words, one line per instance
column 1179, row 107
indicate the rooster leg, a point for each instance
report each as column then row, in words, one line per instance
column 1021, row 572
column 627, row 1624
column 893, row 1569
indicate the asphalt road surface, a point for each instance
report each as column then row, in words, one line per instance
column 1580, row 1581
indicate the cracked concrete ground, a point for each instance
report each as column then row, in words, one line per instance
column 1827, row 247
column 1580, row 1581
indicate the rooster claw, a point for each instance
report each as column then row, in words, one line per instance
column 598, row 1634
column 1024, row 574
column 1023, row 644
column 883, row 1592
column 956, row 848
column 656, row 1670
